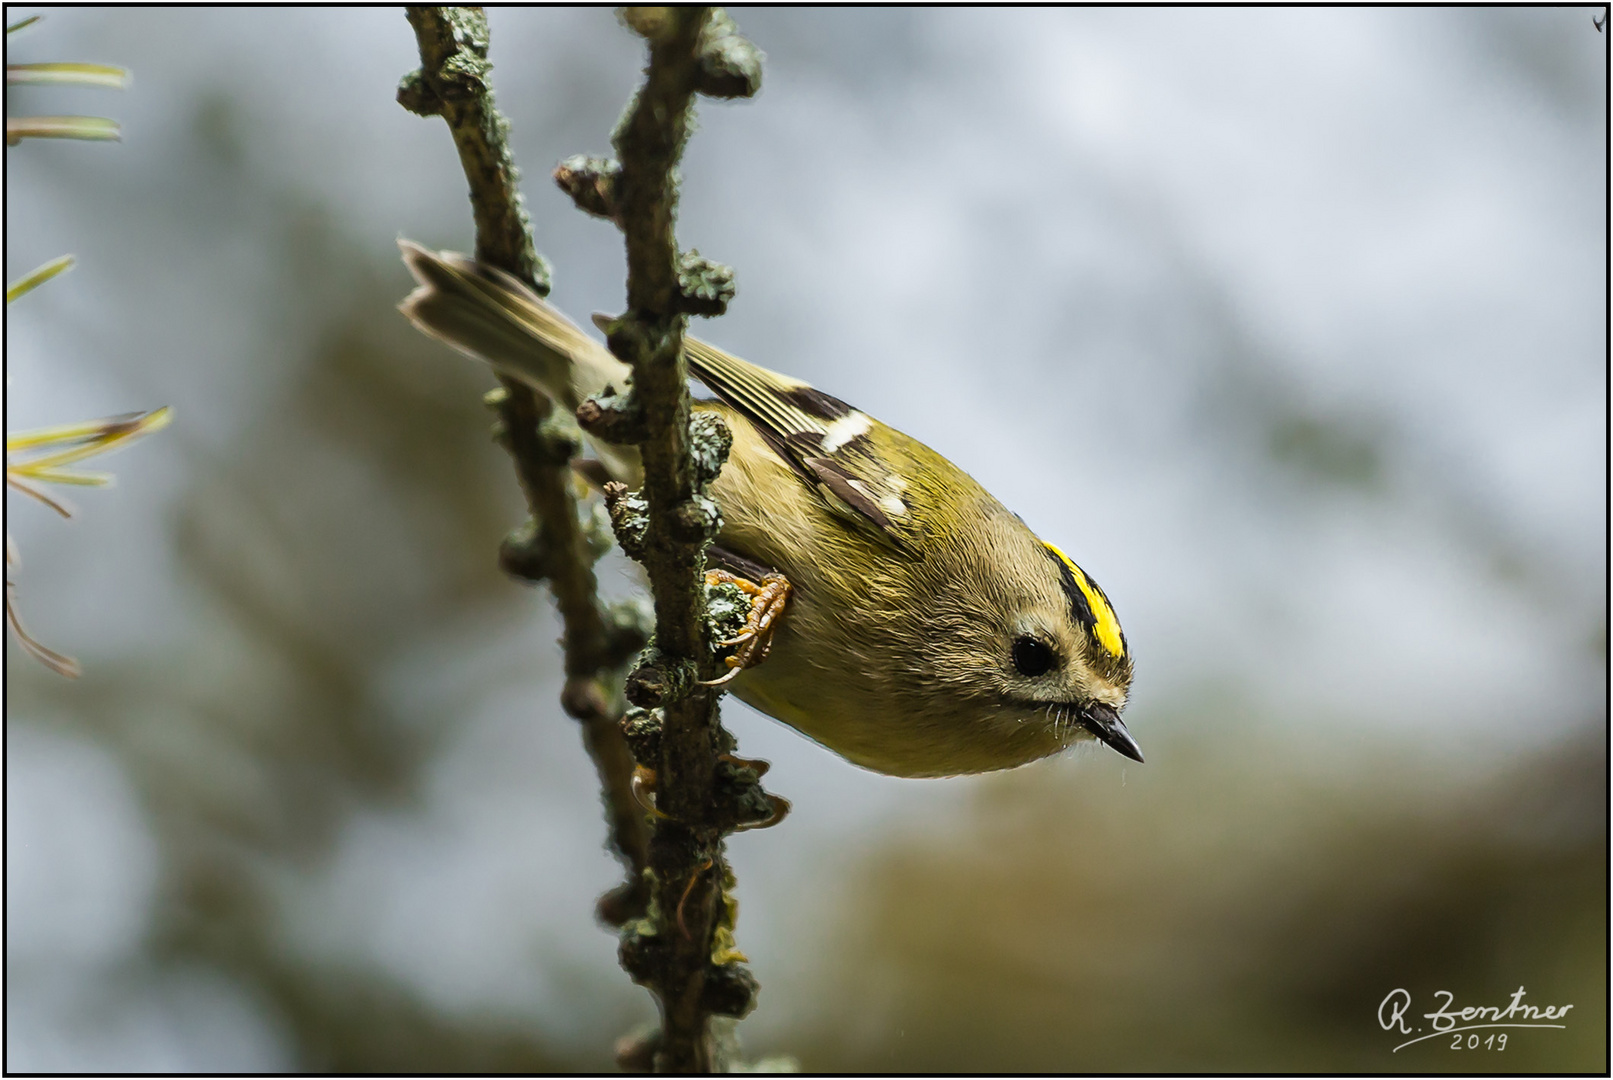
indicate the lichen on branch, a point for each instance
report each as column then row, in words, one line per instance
column 683, row 949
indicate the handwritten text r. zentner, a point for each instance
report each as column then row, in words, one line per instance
column 1393, row 1008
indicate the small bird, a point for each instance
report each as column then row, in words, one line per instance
column 908, row 620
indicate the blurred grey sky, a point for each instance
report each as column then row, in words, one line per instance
column 1290, row 325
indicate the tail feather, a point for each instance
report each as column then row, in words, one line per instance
column 489, row 315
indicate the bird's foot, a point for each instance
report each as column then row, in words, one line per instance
column 767, row 603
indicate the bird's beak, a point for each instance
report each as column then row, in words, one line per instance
column 1104, row 722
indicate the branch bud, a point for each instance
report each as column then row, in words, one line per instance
column 657, row 25
column 710, row 440
column 419, row 98
column 584, row 698
column 704, row 287
column 615, row 418
column 641, row 951
column 627, row 901
column 629, row 518
column 730, row 990
column 591, row 183
column 730, row 66
column 626, row 338
column 523, row 555
column 642, row 730
column 656, row 683
column 739, row 799
column 696, row 520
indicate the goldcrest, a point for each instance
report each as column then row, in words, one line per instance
column 927, row 631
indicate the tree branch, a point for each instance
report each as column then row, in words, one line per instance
column 683, row 950
column 454, row 82
column 682, row 947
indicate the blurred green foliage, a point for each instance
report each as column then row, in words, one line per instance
column 1232, row 907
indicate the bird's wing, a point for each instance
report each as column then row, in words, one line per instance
column 822, row 438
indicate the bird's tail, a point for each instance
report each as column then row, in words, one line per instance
column 491, row 316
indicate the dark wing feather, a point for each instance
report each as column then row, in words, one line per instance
column 822, row 438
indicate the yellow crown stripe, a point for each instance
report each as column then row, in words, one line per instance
column 1107, row 628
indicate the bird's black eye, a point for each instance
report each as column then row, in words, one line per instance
column 1032, row 657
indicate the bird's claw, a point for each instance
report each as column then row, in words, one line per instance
column 643, row 788
column 767, row 603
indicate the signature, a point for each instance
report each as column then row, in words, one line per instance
column 1446, row 1017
